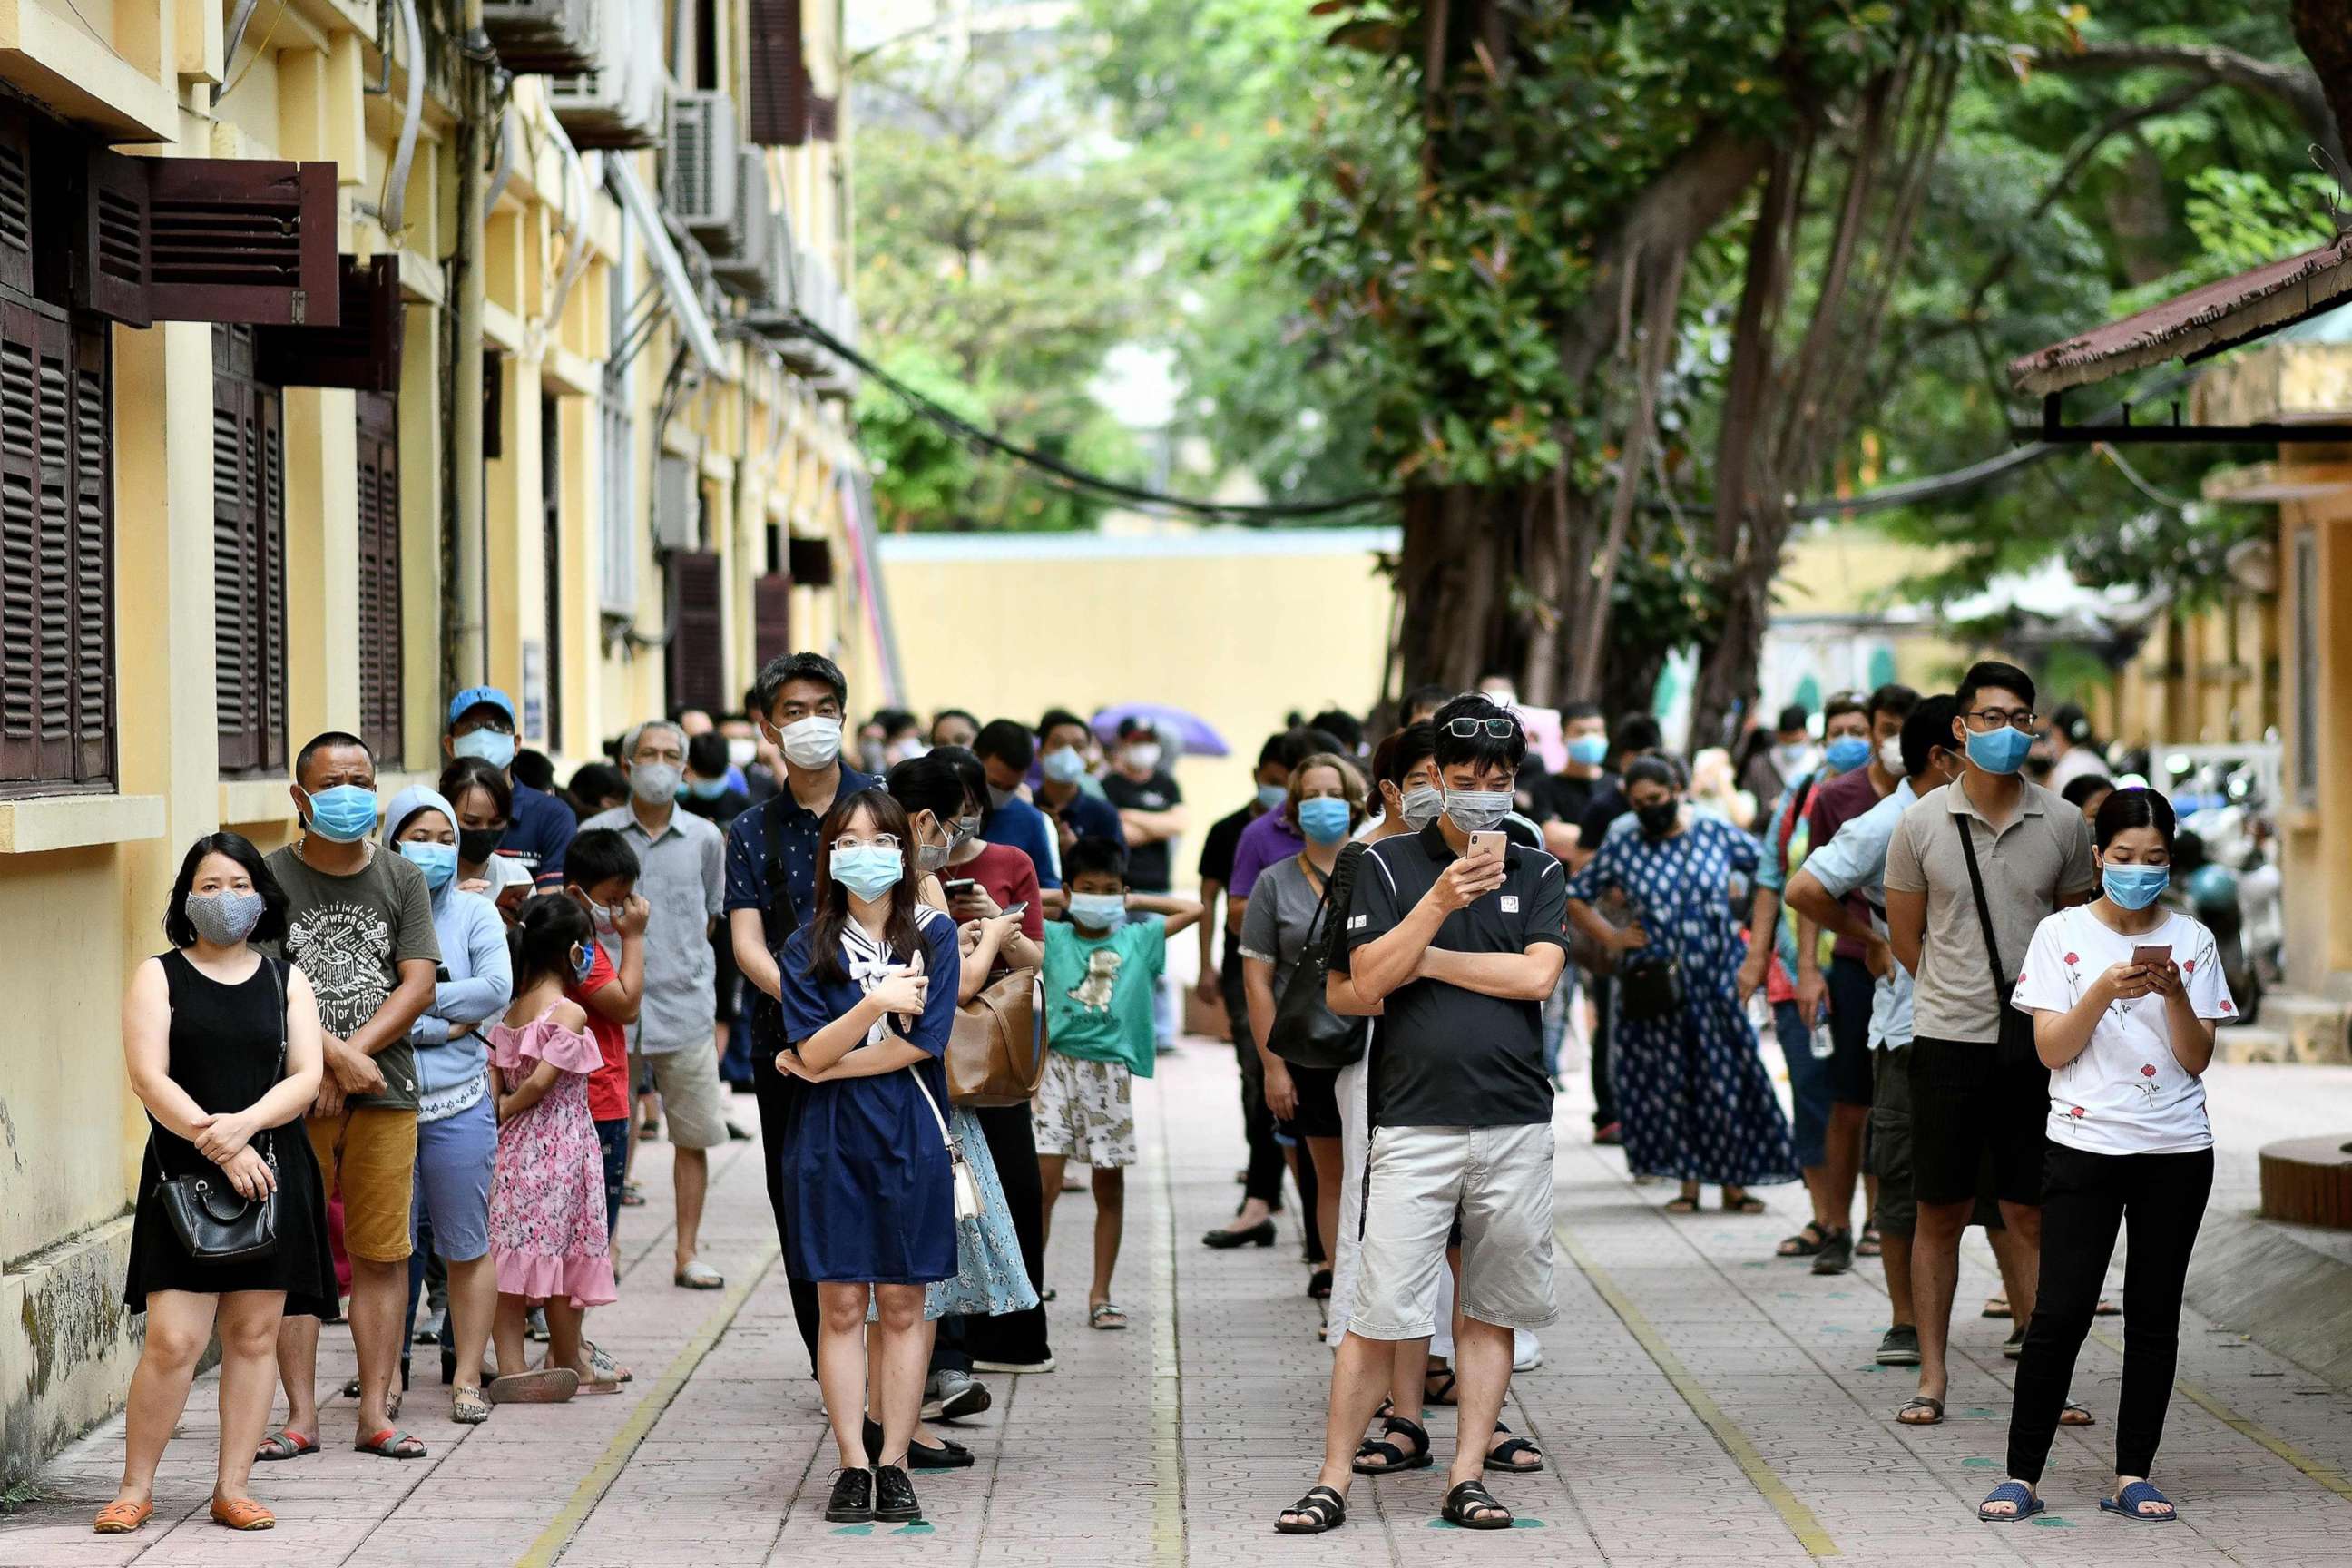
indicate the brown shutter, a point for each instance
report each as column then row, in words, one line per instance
column 244, row 240
column 361, row 351
column 698, row 644
column 22, row 607
column 771, row 616
column 381, row 660
column 248, row 561
column 106, row 258
column 16, row 203
column 809, row 561
column 779, row 87
column 824, row 119
column 93, row 547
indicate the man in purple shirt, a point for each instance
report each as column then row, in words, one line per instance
column 1270, row 839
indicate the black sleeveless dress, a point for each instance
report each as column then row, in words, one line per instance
column 224, row 1043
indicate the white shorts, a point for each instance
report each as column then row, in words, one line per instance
column 1086, row 1110
column 687, row 1081
column 1499, row 1179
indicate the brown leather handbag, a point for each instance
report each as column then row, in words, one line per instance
column 996, row 1050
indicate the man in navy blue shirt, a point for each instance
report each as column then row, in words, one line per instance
column 1005, row 752
column 539, row 826
column 1061, row 792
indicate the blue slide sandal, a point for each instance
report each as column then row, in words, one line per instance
column 2127, row 1506
column 2015, row 1493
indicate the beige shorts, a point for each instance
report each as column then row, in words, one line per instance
column 368, row 1152
column 687, row 1081
column 1499, row 1180
column 1086, row 1110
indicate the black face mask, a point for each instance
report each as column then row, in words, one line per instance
column 1658, row 820
column 477, row 845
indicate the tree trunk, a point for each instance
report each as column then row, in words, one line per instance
column 2324, row 29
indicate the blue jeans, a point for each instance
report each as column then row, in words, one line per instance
column 1808, row 1086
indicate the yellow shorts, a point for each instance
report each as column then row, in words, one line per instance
column 370, row 1153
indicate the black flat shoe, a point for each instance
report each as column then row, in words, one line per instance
column 1319, row 1285
column 894, row 1497
column 853, row 1498
column 946, row 1454
column 1223, row 1240
column 448, row 1368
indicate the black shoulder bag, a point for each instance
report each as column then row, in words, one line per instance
column 214, row 1221
column 1649, row 979
column 1306, row 1033
column 2016, row 1044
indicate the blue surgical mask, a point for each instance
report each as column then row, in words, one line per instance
column 868, row 870
column 1589, row 751
column 1324, row 819
column 437, row 861
column 1099, row 912
column 2002, row 751
column 2135, row 887
column 345, row 815
column 706, row 789
column 1271, row 796
column 1846, row 753
column 493, row 746
column 583, row 961
column 1063, row 765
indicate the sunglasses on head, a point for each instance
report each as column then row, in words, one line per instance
column 1500, row 729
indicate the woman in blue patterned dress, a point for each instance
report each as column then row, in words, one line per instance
column 1696, row 1100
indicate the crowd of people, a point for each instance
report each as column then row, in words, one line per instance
column 479, row 999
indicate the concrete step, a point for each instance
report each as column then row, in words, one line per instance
column 2295, row 1027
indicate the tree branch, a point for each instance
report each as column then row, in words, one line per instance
column 2297, row 86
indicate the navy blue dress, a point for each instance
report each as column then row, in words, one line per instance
column 865, row 1177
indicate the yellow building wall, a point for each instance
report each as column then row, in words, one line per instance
column 2315, row 828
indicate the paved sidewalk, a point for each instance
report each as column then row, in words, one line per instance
column 1700, row 1402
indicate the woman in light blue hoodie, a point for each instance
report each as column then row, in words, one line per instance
column 457, row 1117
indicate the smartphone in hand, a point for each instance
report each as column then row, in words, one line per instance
column 2155, row 955
column 1488, row 843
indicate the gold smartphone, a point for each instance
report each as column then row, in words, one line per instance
column 1488, row 843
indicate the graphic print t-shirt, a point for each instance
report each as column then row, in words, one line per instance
column 348, row 935
column 1099, row 991
column 2126, row 1093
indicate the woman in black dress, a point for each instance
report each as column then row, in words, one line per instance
column 223, row 1048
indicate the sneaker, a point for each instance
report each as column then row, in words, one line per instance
column 738, row 1135
column 1015, row 1366
column 949, row 1395
column 1611, row 1136
column 2013, row 1346
column 1836, row 1256
column 1899, row 1347
column 428, row 1327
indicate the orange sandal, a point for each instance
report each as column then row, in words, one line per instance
column 243, row 1514
column 121, row 1518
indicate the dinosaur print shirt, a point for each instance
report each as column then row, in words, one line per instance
column 1099, row 991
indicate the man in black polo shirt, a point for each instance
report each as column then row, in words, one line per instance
column 1458, row 951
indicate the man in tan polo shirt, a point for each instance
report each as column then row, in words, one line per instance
column 1978, row 1091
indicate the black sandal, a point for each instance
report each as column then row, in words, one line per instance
column 1438, row 1395
column 1393, row 1457
column 1320, row 1510
column 1500, row 1456
column 1805, row 1243
column 1473, row 1507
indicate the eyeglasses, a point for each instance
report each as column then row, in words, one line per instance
column 1994, row 718
column 1500, row 729
column 879, row 841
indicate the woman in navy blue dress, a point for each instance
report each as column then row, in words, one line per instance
column 1696, row 1102
column 868, row 997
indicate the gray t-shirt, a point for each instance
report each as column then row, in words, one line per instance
column 682, row 875
column 1281, row 908
column 348, row 935
column 2040, row 856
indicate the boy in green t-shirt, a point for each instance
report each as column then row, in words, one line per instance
column 1101, row 971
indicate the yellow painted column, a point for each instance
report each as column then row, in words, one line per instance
column 2331, row 516
column 322, row 562
column 513, row 567
column 576, row 557
column 420, row 535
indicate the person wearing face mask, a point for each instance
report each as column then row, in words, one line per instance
column 482, row 725
column 682, row 877
column 954, row 727
column 456, row 1127
column 711, row 793
column 222, row 1045
column 1971, row 872
column 1062, row 789
column 484, row 803
column 360, row 925
column 1005, row 749
column 1151, row 818
column 2127, row 1035
column 1769, row 765
column 1697, row 1102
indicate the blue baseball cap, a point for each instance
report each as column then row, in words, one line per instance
column 481, row 696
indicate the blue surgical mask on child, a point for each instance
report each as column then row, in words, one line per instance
column 1099, row 912
column 583, row 961
column 1846, row 753
column 346, row 814
column 867, row 871
column 437, row 861
column 1324, row 819
column 2135, row 887
column 2001, row 751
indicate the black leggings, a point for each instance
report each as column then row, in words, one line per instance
column 2085, row 1197
column 779, row 1099
column 1263, row 1179
column 1017, row 1339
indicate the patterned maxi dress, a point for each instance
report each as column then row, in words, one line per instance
column 1695, row 1101
column 547, row 1191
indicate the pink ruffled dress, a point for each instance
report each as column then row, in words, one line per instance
column 547, row 1191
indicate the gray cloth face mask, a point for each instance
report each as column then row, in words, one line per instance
column 1475, row 810
column 225, row 918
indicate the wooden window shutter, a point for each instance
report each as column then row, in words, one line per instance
column 108, row 259
column 16, row 202
column 93, row 551
column 242, row 241
column 771, row 616
column 698, row 647
column 777, row 99
column 361, row 351
column 809, row 561
column 248, row 561
column 382, row 706
column 824, row 119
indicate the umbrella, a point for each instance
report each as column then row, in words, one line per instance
column 1196, row 736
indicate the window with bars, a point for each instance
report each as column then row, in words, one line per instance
column 381, row 693
column 57, row 526
column 248, row 560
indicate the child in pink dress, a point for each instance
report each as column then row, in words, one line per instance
column 547, row 1192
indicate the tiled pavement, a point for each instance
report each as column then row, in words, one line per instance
column 1701, row 1403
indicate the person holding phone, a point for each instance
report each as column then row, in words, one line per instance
column 2125, row 995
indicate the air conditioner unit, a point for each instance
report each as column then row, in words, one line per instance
column 543, row 37
column 678, row 505
column 700, row 165
column 740, row 261
column 839, row 379
column 617, row 105
column 809, row 295
column 770, row 303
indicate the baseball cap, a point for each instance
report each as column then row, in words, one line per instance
column 480, row 696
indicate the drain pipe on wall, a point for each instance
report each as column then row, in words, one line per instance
column 469, row 653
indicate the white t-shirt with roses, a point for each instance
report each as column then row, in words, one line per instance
column 2126, row 1093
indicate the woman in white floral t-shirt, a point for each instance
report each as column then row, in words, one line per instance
column 2125, row 995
